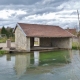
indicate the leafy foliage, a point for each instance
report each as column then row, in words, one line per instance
column 7, row 32
column 4, row 31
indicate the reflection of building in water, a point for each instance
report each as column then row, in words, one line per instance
column 71, row 55
column 22, row 62
column 36, row 58
column 79, row 52
column 8, row 57
column 68, row 56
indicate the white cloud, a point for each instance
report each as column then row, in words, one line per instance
column 41, row 17
column 47, row 1
column 56, row 15
column 54, row 12
column 5, row 14
column 19, row 12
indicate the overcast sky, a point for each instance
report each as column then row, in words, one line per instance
column 51, row 12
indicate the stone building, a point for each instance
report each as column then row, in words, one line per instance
column 49, row 36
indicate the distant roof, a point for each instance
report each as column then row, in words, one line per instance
column 73, row 31
column 38, row 30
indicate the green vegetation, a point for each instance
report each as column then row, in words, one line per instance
column 54, row 57
column 75, row 45
column 8, row 32
column 2, row 52
column 3, row 40
column 36, row 42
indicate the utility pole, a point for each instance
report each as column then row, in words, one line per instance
column 78, row 20
column 78, row 29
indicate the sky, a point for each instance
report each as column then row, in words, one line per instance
column 62, row 13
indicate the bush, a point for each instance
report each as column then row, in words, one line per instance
column 75, row 45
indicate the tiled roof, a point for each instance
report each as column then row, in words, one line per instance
column 73, row 31
column 36, row 30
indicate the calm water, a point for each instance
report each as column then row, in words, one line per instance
column 50, row 65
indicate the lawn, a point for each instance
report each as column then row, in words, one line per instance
column 3, row 40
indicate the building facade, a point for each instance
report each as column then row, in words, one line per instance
column 49, row 36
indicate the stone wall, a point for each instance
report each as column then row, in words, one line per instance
column 28, row 44
column 21, row 42
column 45, row 42
column 56, row 42
column 62, row 43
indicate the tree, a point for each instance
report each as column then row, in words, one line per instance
column 4, row 31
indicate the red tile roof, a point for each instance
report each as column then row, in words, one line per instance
column 37, row 30
column 73, row 31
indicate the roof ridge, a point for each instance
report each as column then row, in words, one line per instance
column 40, row 24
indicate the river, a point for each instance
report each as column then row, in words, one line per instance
column 46, row 65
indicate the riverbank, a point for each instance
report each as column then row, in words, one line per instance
column 2, row 52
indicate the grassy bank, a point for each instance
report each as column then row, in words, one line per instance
column 2, row 52
column 75, row 45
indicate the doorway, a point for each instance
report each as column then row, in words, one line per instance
column 36, row 41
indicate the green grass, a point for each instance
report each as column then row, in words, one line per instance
column 3, row 40
column 2, row 52
column 36, row 42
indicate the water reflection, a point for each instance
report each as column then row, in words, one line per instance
column 8, row 57
column 79, row 52
column 57, row 69
column 22, row 62
column 40, row 59
column 71, row 55
column 36, row 58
